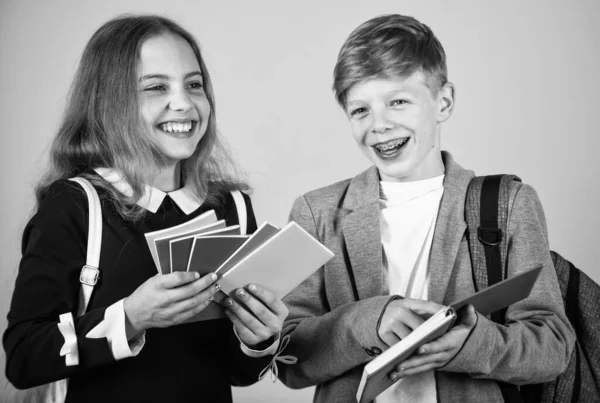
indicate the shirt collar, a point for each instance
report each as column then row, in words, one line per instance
column 152, row 197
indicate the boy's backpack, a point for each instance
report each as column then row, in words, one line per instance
column 486, row 211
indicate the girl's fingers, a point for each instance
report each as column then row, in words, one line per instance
column 258, row 309
column 269, row 300
column 247, row 319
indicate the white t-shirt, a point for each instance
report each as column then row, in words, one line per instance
column 408, row 213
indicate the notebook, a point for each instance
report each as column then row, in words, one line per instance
column 279, row 264
column 375, row 374
column 202, row 220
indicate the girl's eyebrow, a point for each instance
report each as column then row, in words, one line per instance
column 166, row 77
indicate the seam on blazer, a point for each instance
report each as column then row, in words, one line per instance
column 312, row 214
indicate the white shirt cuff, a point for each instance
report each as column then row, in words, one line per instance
column 272, row 349
column 113, row 329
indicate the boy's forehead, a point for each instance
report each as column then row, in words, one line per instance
column 416, row 81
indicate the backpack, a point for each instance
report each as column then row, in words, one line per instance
column 486, row 211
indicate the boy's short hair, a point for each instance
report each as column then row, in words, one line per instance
column 389, row 46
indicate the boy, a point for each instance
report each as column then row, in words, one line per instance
column 398, row 232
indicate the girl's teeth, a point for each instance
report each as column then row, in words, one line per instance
column 174, row 127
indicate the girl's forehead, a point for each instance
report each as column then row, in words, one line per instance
column 167, row 53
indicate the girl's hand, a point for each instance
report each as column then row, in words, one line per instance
column 261, row 319
column 439, row 352
column 166, row 300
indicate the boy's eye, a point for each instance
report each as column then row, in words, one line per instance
column 357, row 111
column 398, row 102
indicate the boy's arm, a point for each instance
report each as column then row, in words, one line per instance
column 326, row 342
column 536, row 343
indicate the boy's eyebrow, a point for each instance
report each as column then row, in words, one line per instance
column 166, row 77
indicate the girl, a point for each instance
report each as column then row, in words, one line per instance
column 140, row 126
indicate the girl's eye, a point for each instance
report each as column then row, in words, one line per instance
column 196, row 85
column 357, row 111
column 156, row 88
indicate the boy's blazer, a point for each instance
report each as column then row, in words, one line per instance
column 334, row 314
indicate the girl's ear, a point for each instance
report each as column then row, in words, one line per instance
column 445, row 101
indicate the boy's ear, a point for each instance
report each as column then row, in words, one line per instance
column 445, row 102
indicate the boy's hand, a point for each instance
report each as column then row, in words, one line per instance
column 402, row 316
column 439, row 352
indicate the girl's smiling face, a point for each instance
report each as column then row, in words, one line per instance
column 174, row 105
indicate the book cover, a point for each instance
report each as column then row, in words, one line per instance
column 375, row 374
column 280, row 264
column 209, row 252
column 181, row 248
column 260, row 236
column 501, row 294
column 198, row 222
column 163, row 244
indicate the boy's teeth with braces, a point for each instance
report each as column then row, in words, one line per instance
column 175, row 127
column 391, row 145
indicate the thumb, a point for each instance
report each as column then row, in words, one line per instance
column 177, row 279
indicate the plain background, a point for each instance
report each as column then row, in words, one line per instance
column 527, row 103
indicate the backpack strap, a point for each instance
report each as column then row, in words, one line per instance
column 486, row 212
column 240, row 206
column 89, row 272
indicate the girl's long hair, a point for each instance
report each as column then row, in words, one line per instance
column 103, row 127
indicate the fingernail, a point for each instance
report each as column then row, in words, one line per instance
column 422, row 350
column 196, row 274
column 229, row 302
column 241, row 293
column 252, row 287
column 394, row 378
column 214, row 277
column 211, row 299
column 217, row 287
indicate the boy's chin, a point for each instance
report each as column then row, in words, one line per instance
column 396, row 171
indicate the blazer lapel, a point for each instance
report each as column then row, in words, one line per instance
column 361, row 232
column 450, row 228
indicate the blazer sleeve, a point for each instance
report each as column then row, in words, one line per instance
column 326, row 342
column 245, row 369
column 47, row 285
column 536, row 343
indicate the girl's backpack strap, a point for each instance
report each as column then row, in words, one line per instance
column 240, row 205
column 89, row 272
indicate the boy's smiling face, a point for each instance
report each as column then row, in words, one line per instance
column 396, row 123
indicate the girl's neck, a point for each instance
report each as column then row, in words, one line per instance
column 168, row 179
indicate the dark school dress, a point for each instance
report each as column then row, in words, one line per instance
column 195, row 362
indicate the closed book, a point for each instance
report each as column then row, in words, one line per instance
column 202, row 220
column 209, row 252
column 260, row 236
column 181, row 248
column 279, row 264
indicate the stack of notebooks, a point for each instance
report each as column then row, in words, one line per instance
column 273, row 258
